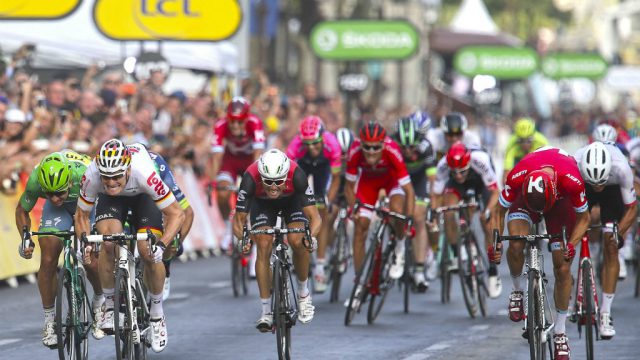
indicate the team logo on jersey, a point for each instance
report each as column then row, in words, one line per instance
column 241, row 195
column 574, row 179
column 309, row 191
column 518, row 174
column 582, row 196
column 506, row 189
column 158, row 186
column 536, row 183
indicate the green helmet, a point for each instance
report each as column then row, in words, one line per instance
column 406, row 132
column 54, row 173
column 524, row 128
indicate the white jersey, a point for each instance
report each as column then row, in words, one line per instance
column 144, row 179
column 621, row 173
column 480, row 164
column 633, row 147
column 440, row 145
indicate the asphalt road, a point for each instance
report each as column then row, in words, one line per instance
column 205, row 321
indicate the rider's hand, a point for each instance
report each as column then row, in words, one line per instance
column 487, row 215
column 158, row 252
column 86, row 255
column 409, row 229
column 25, row 253
column 495, row 256
column 312, row 244
column 569, row 252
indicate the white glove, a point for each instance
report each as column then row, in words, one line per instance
column 158, row 252
column 86, row 255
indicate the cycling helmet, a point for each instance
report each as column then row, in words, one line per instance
column 345, row 139
column 372, row 132
column 54, row 173
column 238, row 108
column 595, row 164
column 113, row 159
column 422, row 120
column 539, row 190
column 273, row 165
column 524, row 128
column 605, row 133
column 311, row 128
column 407, row 132
column 454, row 123
column 458, row 157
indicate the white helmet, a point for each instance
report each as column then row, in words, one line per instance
column 605, row 133
column 345, row 139
column 273, row 165
column 595, row 165
column 113, row 159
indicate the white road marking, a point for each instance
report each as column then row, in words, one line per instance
column 178, row 296
column 471, row 334
column 219, row 284
column 8, row 341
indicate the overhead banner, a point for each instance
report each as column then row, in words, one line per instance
column 574, row 65
column 364, row 40
column 498, row 61
column 37, row 9
column 177, row 20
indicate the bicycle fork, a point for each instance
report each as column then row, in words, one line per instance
column 536, row 264
column 127, row 263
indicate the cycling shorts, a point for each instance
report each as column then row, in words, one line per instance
column 264, row 212
column 57, row 218
column 321, row 179
column 460, row 191
column 368, row 191
column 562, row 213
column 145, row 213
column 610, row 201
column 420, row 184
column 233, row 165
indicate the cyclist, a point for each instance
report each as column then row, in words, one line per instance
column 376, row 163
column 270, row 185
column 609, row 183
column 546, row 183
column 417, row 154
column 238, row 141
column 175, row 248
column 123, row 178
column 466, row 169
column 524, row 140
column 345, row 139
column 422, row 121
column 453, row 127
column 317, row 152
column 57, row 179
column 608, row 134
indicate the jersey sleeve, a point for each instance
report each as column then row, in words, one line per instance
column 333, row 151
column 153, row 184
column 481, row 163
column 246, row 192
column 398, row 165
column 351, row 174
column 90, row 186
column 513, row 184
column 258, row 141
column 627, row 188
column 302, row 189
column 292, row 149
column 219, row 133
column 539, row 140
column 32, row 192
column 442, row 176
column 167, row 176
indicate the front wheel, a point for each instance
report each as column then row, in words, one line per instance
column 467, row 272
column 445, row 275
column 122, row 317
column 281, row 313
column 337, row 261
column 72, row 318
column 382, row 267
column 535, row 317
column 360, row 289
column 589, row 313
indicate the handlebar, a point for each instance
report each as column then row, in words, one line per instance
column 382, row 211
column 308, row 241
column 614, row 229
column 528, row 238
column 121, row 238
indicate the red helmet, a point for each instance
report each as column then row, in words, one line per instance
column 311, row 128
column 372, row 132
column 238, row 109
column 458, row 157
column 539, row 190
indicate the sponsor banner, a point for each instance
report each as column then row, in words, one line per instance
column 574, row 65
column 178, row 20
column 498, row 61
column 37, row 9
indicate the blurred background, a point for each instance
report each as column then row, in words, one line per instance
column 79, row 72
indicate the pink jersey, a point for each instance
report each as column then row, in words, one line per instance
column 570, row 183
column 252, row 139
column 391, row 164
column 330, row 150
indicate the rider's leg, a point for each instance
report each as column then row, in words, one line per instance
column 360, row 233
column 420, row 241
column 106, row 259
column 50, row 247
column 451, row 226
column 562, row 288
column 323, row 239
column 301, row 258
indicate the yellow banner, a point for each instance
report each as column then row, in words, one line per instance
column 37, row 9
column 183, row 20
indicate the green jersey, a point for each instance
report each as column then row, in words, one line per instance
column 33, row 191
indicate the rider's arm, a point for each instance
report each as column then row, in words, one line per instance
column 22, row 218
column 351, row 175
column 497, row 218
column 315, row 222
column 582, row 225
column 174, row 216
column 628, row 217
column 410, row 199
column 239, row 220
column 81, row 222
column 334, row 187
column 246, row 192
column 188, row 222
column 350, row 192
column 216, row 161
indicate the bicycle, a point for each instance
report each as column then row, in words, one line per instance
column 406, row 281
column 472, row 267
column 74, row 316
column 239, row 261
column 284, row 303
column 586, row 311
column 130, row 300
column 538, row 318
column 373, row 278
column 340, row 251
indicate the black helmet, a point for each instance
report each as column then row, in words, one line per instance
column 454, row 123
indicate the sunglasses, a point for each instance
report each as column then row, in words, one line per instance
column 312, row 142
column 460, row 171
column 57, row 193
column 525, row 141
column 371, row 148
column 277, row 182
column 115, row 177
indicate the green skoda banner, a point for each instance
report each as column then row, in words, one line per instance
column 364, row 40
column 574, row 65
column 497, row 61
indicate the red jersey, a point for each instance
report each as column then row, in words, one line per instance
column 252, row 139
column 570, row 183
column 390, row 165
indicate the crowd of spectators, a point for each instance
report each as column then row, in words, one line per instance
column 82, row 109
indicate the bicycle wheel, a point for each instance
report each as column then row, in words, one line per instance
column 338, row 258
column 589, row 310
column 67, row 313
column 281, row 313
column 468, row 281
column 445, row 275
column 122, row 317
column 384, row 283
column 236, row 272
column 481, row 276
column 407, row 278
column 142, row 321
column 535, row 316
column 360, row 286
